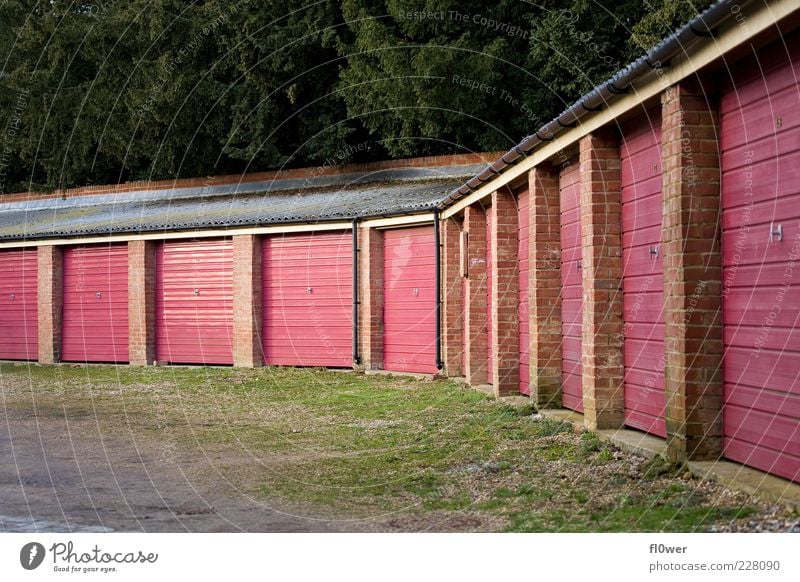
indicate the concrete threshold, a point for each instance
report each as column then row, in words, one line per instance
column 732, row 475
column 752, row 481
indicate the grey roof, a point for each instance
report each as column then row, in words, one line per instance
column 186, row 210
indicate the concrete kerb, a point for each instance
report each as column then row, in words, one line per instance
column 732, row 475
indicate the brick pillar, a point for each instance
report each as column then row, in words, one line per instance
column 51, row 294
column 544, row 289
column 247, row 301
column 452, row 300
column 475, row 347
column 141, row 302
column 370, row 296
column 505, row 293
column 692, row 273
column 603, row 401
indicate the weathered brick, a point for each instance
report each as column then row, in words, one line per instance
column 603, row 400
column 50, row 291
column 692, row 272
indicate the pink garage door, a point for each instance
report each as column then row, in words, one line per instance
column 308, row 299
column 571, row 289
column 19, row 307
column 524, row 320
column 95, row 311
column 194, row 302
column 642, row 274
column 760, row 128
column 489, row 269
column 409, row 300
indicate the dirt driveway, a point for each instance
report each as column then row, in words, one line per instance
column 59, row 473
column 86, row 448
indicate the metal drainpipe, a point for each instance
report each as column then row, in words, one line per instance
column 356, row 356
column 438, row 290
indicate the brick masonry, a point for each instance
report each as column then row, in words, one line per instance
column 51, row 291
column 601, row 244
column 141, row 302
column 505, row 293
column 370, row 297
column 475, row 338
column 247, row 283
column 692, row 272
column 452, row 300
column 544, row 289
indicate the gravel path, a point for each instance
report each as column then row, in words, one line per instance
column 63, row 477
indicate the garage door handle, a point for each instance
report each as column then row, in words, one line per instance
column 578, row 263
column 309, row 290
column 98, row 295
column 13, row 296
column 415, row 292
column 197, row 292
column 654, row 251
column 775, row 232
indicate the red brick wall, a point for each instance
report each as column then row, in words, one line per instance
column 141, row 302
column 692, row 272
column 452, row 300
column 475, row 347
column 370, row 296
column 51, row 293
column 602, row 281
column 544, row 289
column 247, row 301
column 505, row 293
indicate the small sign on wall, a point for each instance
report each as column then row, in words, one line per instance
column 463, row 243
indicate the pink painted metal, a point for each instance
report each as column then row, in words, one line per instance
column 19, row 306
column 760, row 128
column 571, row 289
column 194, row 301
column 308, row 299
column 409, row 300
column 524, row 320
column 489, row 269
column 95, row 308
column 642, row 274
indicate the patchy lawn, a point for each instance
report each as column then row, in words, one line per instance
column 382, row 453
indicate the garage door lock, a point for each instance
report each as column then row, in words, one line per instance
column 775, row 231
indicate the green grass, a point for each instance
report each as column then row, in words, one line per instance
column 364, row 446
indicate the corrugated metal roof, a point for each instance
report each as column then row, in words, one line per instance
column 100, row 215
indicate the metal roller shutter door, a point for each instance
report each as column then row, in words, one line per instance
column 571, row 289
column 409, row 302
column 760, row 129
column 307, row 301
column 95, row 308
column 194, row 302
column 19, row 306
column 642, row 274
